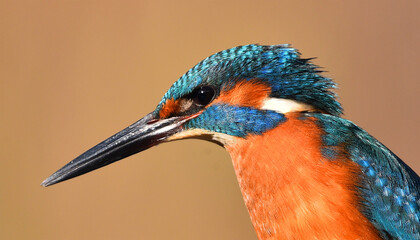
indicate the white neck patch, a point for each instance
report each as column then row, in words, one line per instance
column 281, row 105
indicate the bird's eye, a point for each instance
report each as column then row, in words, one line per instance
column 203, row 95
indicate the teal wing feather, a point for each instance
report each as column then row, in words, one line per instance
column 390, row 189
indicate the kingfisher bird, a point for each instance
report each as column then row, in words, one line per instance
column 303, row 170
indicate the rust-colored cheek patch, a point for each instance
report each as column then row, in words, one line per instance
column 247, row 93
column 169, row 107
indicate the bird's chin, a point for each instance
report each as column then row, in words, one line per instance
column 220, row 139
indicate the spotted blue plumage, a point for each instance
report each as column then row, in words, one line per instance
column 389, row 188
column 236, row 121
column 281, row 66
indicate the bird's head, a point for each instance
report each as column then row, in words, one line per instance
column 232, row 94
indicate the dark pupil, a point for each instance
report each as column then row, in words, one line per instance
column 204, row 95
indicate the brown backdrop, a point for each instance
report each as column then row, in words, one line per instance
column 74, row 72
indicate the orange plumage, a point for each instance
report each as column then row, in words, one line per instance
column 247, row 93
column 296, row 193
column 170, row 106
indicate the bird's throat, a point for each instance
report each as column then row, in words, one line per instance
column 292, row 191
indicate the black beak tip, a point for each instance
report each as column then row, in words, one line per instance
column 51, row 180
column 45, row 183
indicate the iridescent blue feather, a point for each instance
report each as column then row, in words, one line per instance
column 390, row 189
column 290, row 76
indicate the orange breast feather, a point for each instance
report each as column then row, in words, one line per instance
column 293, row 192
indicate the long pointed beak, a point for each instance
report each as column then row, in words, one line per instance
column 141, row 135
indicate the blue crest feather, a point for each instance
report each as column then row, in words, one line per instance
column 288, row 75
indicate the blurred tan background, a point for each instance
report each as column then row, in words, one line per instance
column 72, row 73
